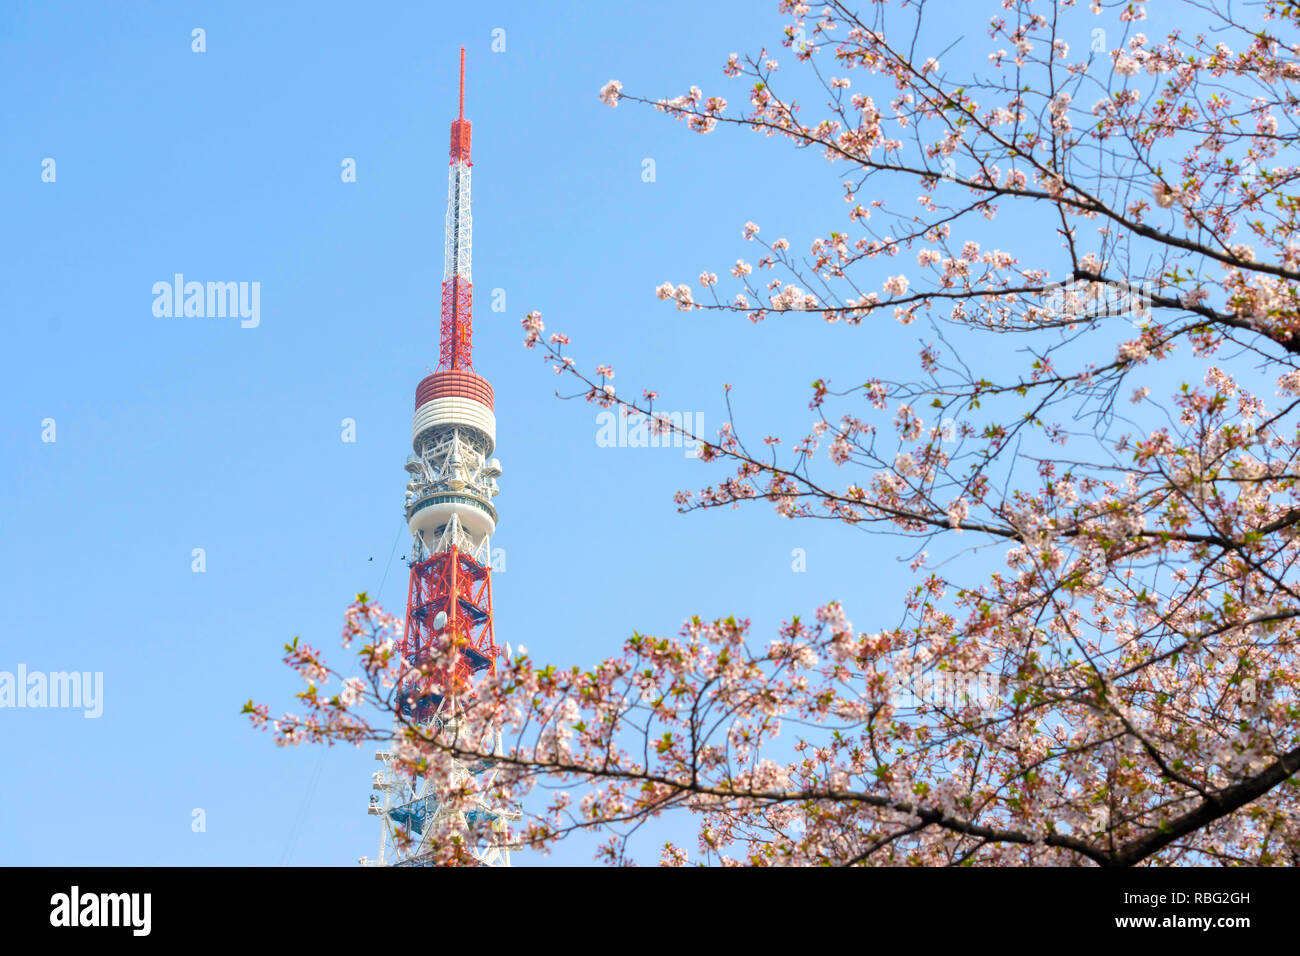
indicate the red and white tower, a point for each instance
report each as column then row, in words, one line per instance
column 449, row 510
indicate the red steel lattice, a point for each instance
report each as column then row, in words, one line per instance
column 454, row 583
column 456, row 345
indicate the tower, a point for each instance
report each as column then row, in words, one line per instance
column 449, row 511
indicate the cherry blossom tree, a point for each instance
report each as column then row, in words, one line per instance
column 1091, row 469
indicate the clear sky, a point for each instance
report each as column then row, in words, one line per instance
column 180, row 433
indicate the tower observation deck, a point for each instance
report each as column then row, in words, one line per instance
column 451, row 516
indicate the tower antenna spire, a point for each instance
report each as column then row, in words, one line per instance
column 457, row 288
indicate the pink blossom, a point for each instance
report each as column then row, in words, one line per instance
column 532, row 324
column 610, row 93
column 896, row 285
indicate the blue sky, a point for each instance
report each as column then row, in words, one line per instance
column 182, row 433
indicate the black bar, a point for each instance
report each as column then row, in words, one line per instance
column 978, row 906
